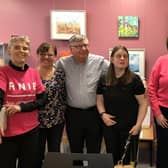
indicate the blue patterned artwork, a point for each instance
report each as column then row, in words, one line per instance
column 134, row 62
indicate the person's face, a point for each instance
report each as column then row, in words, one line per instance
column 120, row 59
column 47, row 58
column 80, row 50
column 19, row 53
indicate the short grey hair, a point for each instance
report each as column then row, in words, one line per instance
column 77, row 38
column 16, row 38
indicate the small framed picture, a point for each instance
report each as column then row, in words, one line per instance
column 65, row 23
column 128, row 27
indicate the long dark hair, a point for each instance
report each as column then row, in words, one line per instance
column 111, row 79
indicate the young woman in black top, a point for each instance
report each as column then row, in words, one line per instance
column 121, row 103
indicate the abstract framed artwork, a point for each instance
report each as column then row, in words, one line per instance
column 65, row 23
column 136, row 60
column 128, row 26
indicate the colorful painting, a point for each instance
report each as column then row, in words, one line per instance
column 128, row 26
column 65, row 23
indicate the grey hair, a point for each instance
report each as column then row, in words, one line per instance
column 16, row 38
column 77, row 38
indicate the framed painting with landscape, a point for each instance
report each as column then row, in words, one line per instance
column 65, row 23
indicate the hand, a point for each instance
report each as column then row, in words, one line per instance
column 12, row 109
column 135, row 130
column 108, row 119
column 162, row 121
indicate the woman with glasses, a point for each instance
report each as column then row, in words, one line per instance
column 121, row 103
column 22, row 94
column 52, row 116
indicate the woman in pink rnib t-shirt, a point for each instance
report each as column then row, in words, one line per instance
column 22, row 94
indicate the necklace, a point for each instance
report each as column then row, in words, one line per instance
column 46, row 74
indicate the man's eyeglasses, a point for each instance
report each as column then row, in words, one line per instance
column 80, row 46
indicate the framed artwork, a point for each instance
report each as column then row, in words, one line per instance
column 128, row 26
column 136, row 60
column 4, row 57
column 65, row 23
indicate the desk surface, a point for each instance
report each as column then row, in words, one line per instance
column 147, row 133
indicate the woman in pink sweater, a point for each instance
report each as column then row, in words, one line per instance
column 158, row 97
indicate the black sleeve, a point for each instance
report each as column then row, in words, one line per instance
column 39, row 103
column 101, row 85
column 1, row 98
column 138, row 86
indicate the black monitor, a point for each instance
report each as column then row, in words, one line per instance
column 78, row 160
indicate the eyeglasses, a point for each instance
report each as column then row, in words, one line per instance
column 121, row 56
column 46, row 54
column 80, row 46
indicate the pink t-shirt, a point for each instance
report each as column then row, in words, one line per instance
column 20, row 87
column 158, row 85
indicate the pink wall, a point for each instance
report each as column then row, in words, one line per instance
column 31, row 17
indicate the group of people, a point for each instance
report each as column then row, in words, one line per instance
column 92, row 97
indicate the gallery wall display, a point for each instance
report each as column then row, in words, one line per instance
column 128, row 26
column 65, row 23
column 136, row 60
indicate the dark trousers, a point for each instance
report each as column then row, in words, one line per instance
column 115, row 140
column 162, row 142
column 22, row 147
column 52, row 136
column 84, row 127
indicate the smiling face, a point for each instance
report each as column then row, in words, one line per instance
column 79, row 47
column 48, row 58
column 47, row 54
column 80, row 50
column 19, row 51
